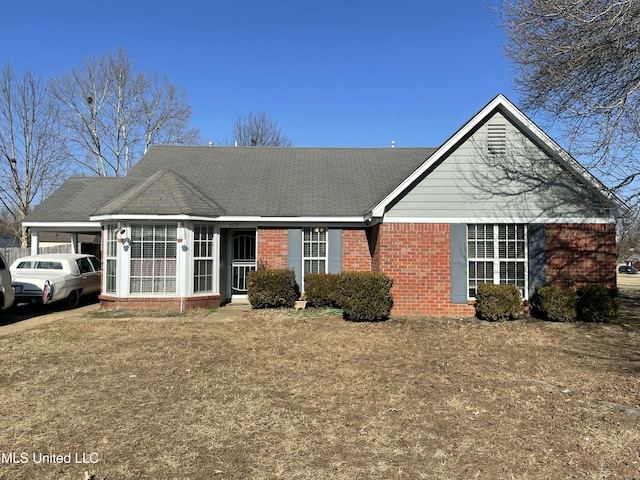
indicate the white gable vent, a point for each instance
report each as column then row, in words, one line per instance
column 497, row 138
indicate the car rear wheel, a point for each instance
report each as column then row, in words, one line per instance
column 73, row 298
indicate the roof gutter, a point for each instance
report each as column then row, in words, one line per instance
column 65, row 225
column 262, row 220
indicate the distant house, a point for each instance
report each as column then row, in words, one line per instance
column 498, row 202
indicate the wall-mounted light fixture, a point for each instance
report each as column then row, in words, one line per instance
column 180, row 232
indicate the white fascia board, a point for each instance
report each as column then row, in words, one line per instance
column 526, row 124
column 163, row 218
column 63, row 225
column 290, row 220
column 598, row 220
column 258, row 220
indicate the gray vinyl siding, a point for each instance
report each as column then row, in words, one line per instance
column 524, row 182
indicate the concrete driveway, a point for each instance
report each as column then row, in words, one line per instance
column 626, row 280
column 24, row 317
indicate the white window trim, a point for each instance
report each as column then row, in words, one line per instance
column 111, row 228
column 211, row 257
column 179, row 264
column 325, row 257
column 496, row 258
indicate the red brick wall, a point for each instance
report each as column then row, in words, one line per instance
column 355, row 251
column 581, row 254
column 272, row 247
column 417, row 258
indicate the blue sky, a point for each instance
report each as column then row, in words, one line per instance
column 349, row 73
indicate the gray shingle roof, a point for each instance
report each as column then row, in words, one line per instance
column 240, row 181
column 163, row 193
column 77, row 198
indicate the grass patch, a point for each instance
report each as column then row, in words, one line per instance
column 274, row 395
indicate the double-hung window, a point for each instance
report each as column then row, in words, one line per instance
column 111, row 255
column 314, row 250
column 153, row 258
column 497, row 254
column 203, row 258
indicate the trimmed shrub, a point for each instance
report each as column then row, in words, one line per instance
column 365, row 296
column 557, row 304
column 321, row 289
column 271, row 288
column 498, row 302
column 598, row 304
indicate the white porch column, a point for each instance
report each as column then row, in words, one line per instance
column 34, row 242
column 74, row 243
column 218, row 268
column 184, row 268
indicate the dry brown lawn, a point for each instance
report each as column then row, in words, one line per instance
column 304, row 396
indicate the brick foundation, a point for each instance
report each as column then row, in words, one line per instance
column 417, row 258
column 159, row 303
column 581, row 254
column 272, row 247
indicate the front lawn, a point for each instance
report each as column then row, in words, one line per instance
column 296, row 396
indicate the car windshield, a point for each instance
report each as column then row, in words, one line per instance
column 40, row 265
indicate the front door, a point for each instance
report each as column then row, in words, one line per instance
column 244, row 260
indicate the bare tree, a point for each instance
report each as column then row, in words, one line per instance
column 577, row 62
column 113, row 114
column 258, row 130
column 32, row 155
column 628, row 242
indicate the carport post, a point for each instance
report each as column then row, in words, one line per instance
column 74, row 243
column 34, row 242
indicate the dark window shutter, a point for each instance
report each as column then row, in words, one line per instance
column 537, row 244
column 335, row 250
column 459, row 283
column 294, row 260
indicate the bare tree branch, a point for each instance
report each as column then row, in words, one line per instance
column 32, row 154
column 113, row 114
column 578, row 63
column 258, row 130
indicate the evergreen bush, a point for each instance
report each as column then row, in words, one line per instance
column 598, row 304
column 365, row 296
column 558, row 304
column 498, row 302
column 272, row 288
column 321, row 289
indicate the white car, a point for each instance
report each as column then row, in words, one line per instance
column 56, row 277
column 6, row 290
